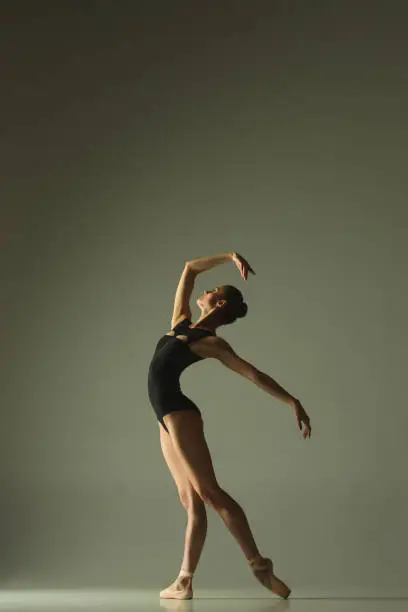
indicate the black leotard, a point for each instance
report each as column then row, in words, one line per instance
column 171, row 357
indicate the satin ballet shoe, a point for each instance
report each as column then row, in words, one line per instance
column 269, row 580
column 180, row 589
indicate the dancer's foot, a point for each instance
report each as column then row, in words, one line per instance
column 263, row 571
column 180, row 589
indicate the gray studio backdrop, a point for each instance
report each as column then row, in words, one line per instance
column 135, row 136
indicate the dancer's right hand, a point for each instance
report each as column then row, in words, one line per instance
column 242, row 265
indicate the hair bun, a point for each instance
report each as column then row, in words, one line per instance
column 243, row 310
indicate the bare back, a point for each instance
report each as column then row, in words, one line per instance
column 204, row 347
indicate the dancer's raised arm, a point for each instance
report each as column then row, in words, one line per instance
column 206, row 263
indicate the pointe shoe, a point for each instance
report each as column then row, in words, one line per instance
column 270, row 581
column 180, row 589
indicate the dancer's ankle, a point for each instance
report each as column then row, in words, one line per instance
column 186, row 574
column 256, row 560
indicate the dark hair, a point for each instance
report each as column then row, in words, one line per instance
column 235, row 307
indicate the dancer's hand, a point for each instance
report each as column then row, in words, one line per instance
column 242, row 265
column 302, row 417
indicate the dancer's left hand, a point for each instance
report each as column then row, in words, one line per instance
column 302, row 417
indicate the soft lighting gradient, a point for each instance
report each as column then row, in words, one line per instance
column 135, row 136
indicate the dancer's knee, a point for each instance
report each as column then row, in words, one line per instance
column 192, row 502
column 213, row 496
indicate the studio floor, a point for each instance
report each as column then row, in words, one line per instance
column 148, row 601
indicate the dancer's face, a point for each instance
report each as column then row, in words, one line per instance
column 211, row 298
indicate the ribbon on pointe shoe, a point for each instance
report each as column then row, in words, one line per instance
column 185, row 574
column 258, row 563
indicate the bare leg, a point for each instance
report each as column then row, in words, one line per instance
column 235, row 519
column 196, row 533
column 190, row 447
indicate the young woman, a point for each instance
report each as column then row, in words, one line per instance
column 181, row 425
